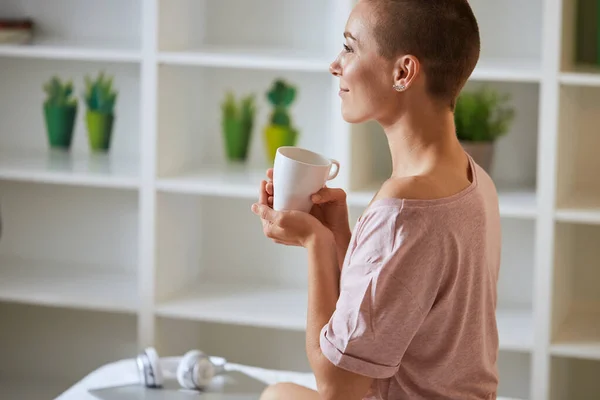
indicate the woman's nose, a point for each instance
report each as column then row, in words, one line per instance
column 334, row 68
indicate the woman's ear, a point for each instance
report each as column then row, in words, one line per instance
column 406, row 70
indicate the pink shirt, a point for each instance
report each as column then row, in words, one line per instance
column 418, row 296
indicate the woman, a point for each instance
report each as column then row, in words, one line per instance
column 404, row 306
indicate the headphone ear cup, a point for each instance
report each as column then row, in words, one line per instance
column 195, row 370
column 149, row 368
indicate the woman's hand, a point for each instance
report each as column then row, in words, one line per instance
column 292, row 228
column 329, row 208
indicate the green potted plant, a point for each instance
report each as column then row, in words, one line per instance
column 280, row 130
column 481, row 116
column 60, row 112
column 237, row 123
column 100, row 98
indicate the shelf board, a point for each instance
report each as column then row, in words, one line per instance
column 514, row 202
column 226, row 180
column 580, row 208
column 518, row 202
column 63, row 168
column 515, row 329
column 581, row 76
column 243, row 304
column 507, row 70
column 578, row 337
column 79, row 287
column 260, row 58
column 57, row 49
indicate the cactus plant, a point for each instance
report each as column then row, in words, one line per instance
column 237, row 123
column 280, row 131
column 100, row 98
column 60, row 112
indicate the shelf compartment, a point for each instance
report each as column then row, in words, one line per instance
column 522, row 42
column 579, row 65
column 190, row 136
column 578, row 337
column 58, row 167
column 578, row 188
column 514, row 370
column 574, row 379
column 51, row 284
column 195, row 244
column 71, row 30
column 240, row 304
column 576, row 299
column 69, row 246
column 176, row 336
column 21, row 107
column 73, row 344
column 194, row 25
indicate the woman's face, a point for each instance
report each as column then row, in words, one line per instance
column 366, row 78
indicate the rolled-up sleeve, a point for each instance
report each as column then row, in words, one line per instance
column 387, row 283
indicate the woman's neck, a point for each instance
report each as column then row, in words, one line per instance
column 422, row 139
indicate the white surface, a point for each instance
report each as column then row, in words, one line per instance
column 225, row 180
column 268, row 59
column 46, row 283
column 507, row 70
column 64, row 168
column 580, row 78
column 515, row 329
column 73, row 50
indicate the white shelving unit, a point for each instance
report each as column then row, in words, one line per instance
column 155, row 244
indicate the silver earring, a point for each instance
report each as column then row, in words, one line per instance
column 399, row 88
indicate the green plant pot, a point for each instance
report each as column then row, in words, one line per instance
column 236, row 135
column 60, row 123
column 277, row 136
column 100, row 127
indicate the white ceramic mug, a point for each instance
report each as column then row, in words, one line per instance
column 298, row 174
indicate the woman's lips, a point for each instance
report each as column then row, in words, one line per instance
column 342, row 90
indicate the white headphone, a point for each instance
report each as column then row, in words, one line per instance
column 194, row 371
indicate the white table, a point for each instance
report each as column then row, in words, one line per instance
column 125, row 372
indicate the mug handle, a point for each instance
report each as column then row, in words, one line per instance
column 335, row 169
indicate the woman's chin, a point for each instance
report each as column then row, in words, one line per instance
column 352, row 117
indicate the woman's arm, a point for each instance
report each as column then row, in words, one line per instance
column 323, row 292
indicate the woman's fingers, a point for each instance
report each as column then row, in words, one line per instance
column 328, row 195
column 270, row 174
column 263, row 196
column 269, row 188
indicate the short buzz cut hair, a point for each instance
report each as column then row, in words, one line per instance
column 442, row 34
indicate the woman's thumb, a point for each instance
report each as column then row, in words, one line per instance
column 326, row 195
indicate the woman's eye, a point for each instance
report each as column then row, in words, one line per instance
column 346, row 48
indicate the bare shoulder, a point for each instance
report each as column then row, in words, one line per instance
column 420, row 188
